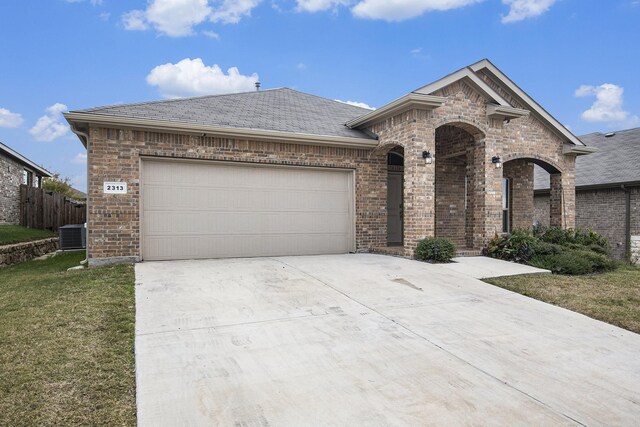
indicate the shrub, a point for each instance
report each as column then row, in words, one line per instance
column 514, row 247
column 568, row 262
column 593, row 241
column 556, row 249
column 540, row 248
column 573, row 262
column 435, row 249
column 584, row 239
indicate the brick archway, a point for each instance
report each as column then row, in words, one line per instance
column 517, row 192
column 459, row 153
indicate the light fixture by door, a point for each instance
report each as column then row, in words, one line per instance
column 428, row 159
column 496, row 161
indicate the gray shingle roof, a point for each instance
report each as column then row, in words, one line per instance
column 284, row 110
column 616, row 161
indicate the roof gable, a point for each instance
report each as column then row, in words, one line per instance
column 6, row 151
column 471, row 78
column 529, row 103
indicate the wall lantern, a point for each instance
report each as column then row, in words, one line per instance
column 496, row 161
column 428, row 159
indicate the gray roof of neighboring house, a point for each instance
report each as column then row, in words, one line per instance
column 284, row 110
column 617, row 160
column 23, row 160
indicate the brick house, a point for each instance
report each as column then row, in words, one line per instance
column 607, row 191
column 280, row 172
column 15, row 169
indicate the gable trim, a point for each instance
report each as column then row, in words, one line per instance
column 535, row 107
column 412, row 100
column 468, row 75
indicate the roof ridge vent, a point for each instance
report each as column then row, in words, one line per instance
column 609, row 135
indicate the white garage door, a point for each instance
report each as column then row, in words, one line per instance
column 218, row 210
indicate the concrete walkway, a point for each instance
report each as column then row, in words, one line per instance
column 368, row 340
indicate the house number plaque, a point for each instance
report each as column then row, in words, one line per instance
column 114, row 188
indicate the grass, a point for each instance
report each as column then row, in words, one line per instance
column 66, row 344
column 16, row 233
column 612, row 297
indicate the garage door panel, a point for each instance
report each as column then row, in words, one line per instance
column 243, row 199
column 216, row 210
column 228, row 223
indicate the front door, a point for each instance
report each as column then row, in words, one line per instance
column 394, row 208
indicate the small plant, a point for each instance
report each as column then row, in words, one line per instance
column 435, row 249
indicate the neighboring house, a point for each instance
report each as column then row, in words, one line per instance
column 281, row 172
column 15, row 169
column 607, row 191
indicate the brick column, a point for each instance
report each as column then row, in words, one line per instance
column 487, row 185
column 419, row 189
column 562, row 200
column 520, row 173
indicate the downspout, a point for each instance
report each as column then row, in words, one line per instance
column 627, row 223
column 84, row 137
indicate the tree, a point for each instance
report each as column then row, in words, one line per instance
column 59, row 185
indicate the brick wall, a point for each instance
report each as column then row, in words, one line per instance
column 114, row 155
column 603, row 211
column 11, row 174
column 520, row 174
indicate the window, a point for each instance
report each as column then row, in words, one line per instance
column 506, row 207
column 27, row 178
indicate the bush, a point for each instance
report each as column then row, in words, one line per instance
column 574, row 262
column 556, row 249
column 515, row 247
column 576, row 239
column 540, row 248
column 435, row 249
column 568, row 262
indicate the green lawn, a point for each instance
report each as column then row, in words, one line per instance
column 66, row 344
column 611, row 297
column 17, row 233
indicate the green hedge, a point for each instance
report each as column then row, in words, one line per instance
column 435, row 249
column 572, row 252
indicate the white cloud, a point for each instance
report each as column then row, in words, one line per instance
column 523, row 9
column 177, row 18
column 135, row 20
column 79, row 159
column 191, row 77
column 50, row 126
column 399, row 10
column 301, row 66
column 231, row 11
column 9, row 119
column 211, row 34
column 607, row 107
column 104, row 16
column 319, row 5
column 356, row 104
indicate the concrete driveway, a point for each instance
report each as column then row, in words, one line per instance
column 368, row 340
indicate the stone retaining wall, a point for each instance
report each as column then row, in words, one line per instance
column 20, row 252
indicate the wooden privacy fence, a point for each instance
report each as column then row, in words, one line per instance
column 47, row 210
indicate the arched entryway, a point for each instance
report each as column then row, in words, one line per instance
column 518, row 185
column 395, row 196
column 457, row 152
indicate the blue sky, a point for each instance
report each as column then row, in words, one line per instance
column 578, row 58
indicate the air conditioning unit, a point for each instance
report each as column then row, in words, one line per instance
column 73, row 236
